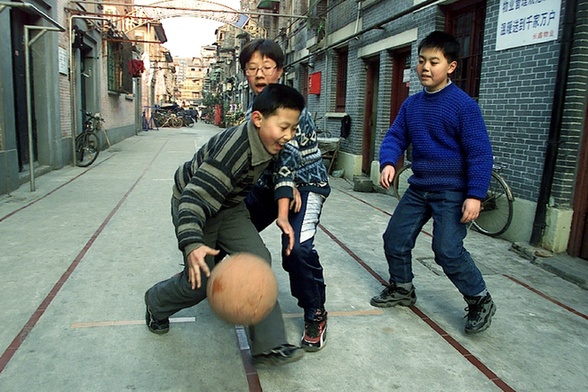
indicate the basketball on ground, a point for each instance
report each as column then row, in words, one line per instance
column 242, row 289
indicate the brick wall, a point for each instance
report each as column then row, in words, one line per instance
column 516, row 96
column 516, row 90
column 573, row 117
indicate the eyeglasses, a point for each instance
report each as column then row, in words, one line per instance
column 266, row 70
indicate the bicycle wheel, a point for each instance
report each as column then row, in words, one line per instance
column 87, row 148
column 496, row 214
column 176, row 122
column 189, row 121
column 400, row 182
column 159, row 119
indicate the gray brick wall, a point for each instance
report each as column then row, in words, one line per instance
column 573, row 117
column 340, row 14
column 516, row 98
column 355, row 99
column 516, row 90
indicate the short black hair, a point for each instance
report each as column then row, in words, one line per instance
column 444, row 42
column 266, row 47
column 277, row 96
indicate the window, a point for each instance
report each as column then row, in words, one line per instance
column 119, row 78
column 304, row 87
column 303, row 7
column 341, row 88
column 465, row 21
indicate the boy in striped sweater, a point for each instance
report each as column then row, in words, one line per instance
column 452, row 165
column 209, row 215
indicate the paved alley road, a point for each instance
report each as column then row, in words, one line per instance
column 77, row 255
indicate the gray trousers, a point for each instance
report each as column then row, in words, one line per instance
column 232, row 231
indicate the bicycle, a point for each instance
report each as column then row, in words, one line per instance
column 497, row 207
column 87, row 142
column 187, row 118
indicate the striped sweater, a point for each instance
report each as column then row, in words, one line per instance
column 450, row 145
column 299, row 164
column 219, row 176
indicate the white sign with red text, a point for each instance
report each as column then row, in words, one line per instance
column 527, row 22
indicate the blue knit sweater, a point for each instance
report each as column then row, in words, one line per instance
column 450, row 145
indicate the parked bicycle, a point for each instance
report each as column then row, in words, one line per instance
column 497, row 207
column 87, row 142
column 188, row 117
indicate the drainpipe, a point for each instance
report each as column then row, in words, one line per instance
column 359, row 3
column 28, row 43
column 556, row 120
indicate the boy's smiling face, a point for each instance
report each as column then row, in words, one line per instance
column 276, row 129
column 433, row 69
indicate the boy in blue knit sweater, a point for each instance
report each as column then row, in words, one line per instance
column 293, row 192
column 452, row 164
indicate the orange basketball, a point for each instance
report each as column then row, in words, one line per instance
column 242, row 289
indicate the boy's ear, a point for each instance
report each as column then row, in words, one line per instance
column 452, row 67
column 256, row 117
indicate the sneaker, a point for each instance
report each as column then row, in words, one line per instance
column 480, row 311
column 156, row 326
column 315, row 332
column 392, row 296
column 286, row 353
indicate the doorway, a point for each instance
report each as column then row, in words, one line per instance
column 371, row 114
column 18, row 19
column 578, row 245
column 400, row 85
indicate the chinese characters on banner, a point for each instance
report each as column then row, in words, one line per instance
column 527, row 22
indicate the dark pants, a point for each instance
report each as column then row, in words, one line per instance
column 307, row 282
column 413, row 211
column 232, row 231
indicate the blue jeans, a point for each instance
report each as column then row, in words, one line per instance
column 307, row 282
column 414, row 210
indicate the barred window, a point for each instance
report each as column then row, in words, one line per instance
column 465, row 20
column 304, row 87
column 118, row 56
column 341, row 92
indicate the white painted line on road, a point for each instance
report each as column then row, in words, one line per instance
column 178, row 320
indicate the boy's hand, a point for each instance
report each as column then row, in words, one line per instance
column 296, row 203
column 196, row 263
column 387, row 176
column 470, row 210
column 287, row 229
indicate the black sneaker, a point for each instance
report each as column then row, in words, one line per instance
column 286, row 353
column 480, row 311
column 156, row 326
column 315, row 332
column 393, row 295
